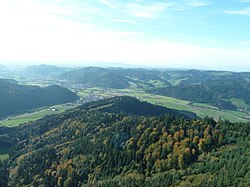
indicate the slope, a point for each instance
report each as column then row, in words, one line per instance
column 214, row 88
column 132, row 106
column 89, row 147
column 15, row 98
column 45, row 70
column 94, row 76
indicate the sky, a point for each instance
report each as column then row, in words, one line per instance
column 202, row 34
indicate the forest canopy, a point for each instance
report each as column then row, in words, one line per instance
column 85, row 147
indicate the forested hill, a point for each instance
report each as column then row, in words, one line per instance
column 95, row 76
column 89, row 147
column 217, row 88
column 212, row 87
column 15, row 98
column 131, row 106
column 45, row 70
column 117, row 78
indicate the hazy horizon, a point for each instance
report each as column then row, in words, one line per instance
column 19, row 65
column 189, row 34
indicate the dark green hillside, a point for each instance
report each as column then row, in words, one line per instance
column 88, row 147
column 45, row 70
column 83, row 75
column 117, row 78
column 199, row 93
column 214, row 88
column 141, row 74
column 144, row 76
column 246, row 76
column 93, row 76
column 230, row 86
column 15, row 98
column 132, row 106
column 109, row 80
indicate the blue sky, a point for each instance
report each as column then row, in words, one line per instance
column 183, row 33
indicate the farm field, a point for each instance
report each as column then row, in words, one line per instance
column 201, row 109
column 28, row 117
column 89, row 94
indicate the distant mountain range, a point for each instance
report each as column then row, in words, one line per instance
column 117, row 78
column 216, row 88
column 45, row 70
column 213, row 87
column 15, row 98
column 93, row 76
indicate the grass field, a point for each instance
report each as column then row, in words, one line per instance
column 203, row 105
column 200, row 109
column 240, row 103
column 4, row 156
column 24, row 118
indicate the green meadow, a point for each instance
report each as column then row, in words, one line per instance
column 201, row 109
column 29, row 117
